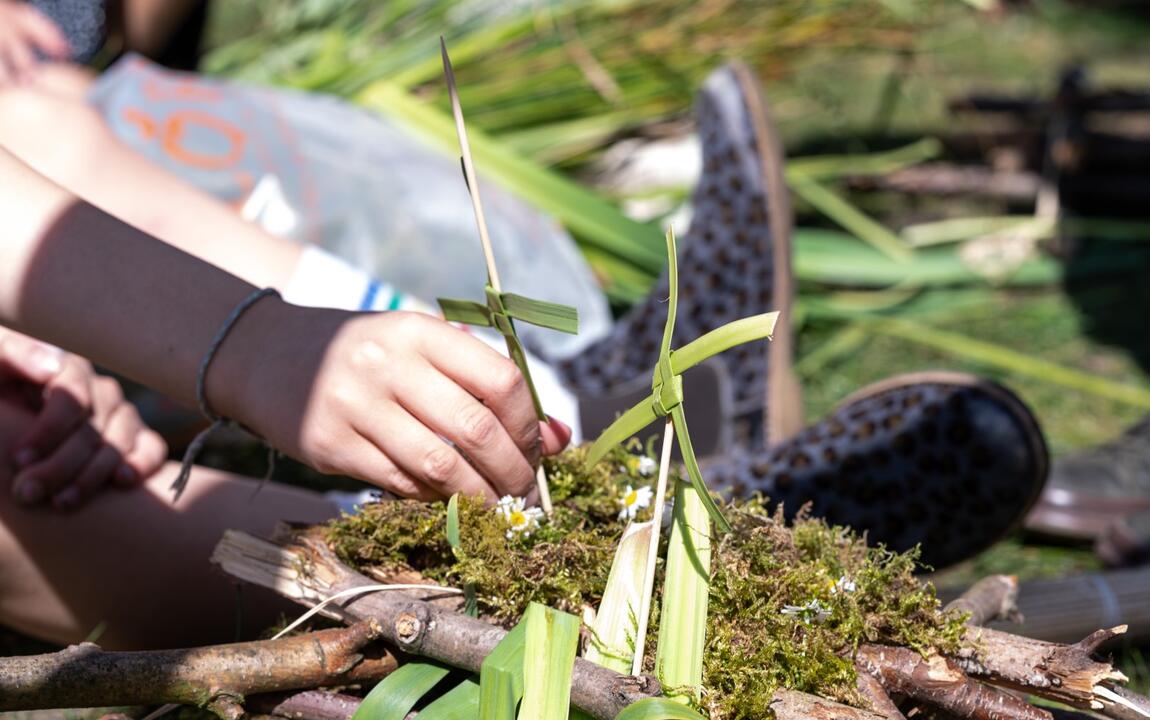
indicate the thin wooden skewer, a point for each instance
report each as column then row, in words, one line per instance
column 481, row 221
column 469, row 170
column 653, row 550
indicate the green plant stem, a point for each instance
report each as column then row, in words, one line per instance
column 1011, row 360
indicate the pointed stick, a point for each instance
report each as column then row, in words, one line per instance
column 481, row 221
column 653, row 551
column 469, row 169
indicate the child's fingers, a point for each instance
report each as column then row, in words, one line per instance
column 489, row 376
column 121, row 434
column 67, row 405
column 416, row 458
column 40, row 31
column 143, row 461
column 43, row 479
column 449, row 411
column 90, row 480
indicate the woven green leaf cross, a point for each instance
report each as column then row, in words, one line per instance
column 666, row 398
column 502, row 308
column 500, row 311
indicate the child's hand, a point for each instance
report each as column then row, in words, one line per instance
column 384, row 398
column 85, row 435
column 24, row 31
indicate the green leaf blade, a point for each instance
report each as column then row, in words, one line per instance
column 395, row 696
column 550, row 647
column 501, row 677
column 744, row 330
column 453, row 535
column 688, row 452
column 553, row 316
column 459, row 703
column 658, row 709
column 626, row 425
column 686, row 593
column 465, row 311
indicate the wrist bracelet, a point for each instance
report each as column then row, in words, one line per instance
column 218, row 421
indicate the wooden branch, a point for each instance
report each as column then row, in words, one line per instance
column 1067, row 609
column 1064, row 673
column 216, row 677
column 307, row 571
column 947, row 179
column 939, row 681
column 1123, row 704
column 427, row 623
column 792, row 705
column 991, row 598
column 306, row 705
column 314, row 705
column 873, row 691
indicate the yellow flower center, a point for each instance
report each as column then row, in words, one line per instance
column 518, row 518
column 631, row 498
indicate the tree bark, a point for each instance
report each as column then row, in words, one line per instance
column 873, row 691
column 306, row 705
column 216, row 677
column 992, row 598
column 1064, row 673
column 939, row 681
column 307, row 571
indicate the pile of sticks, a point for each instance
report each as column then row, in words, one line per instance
column 991, row 678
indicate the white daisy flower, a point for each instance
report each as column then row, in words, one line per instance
column 647, row 465
column 843, row 584
column 813, row 611
column 521, row 520
column 633, row 501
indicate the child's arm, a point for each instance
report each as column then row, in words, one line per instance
column 370, row 396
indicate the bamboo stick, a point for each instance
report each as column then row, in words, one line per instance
column 653, row 550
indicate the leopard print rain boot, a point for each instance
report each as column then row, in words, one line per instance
column 735, row 261
column 946, row 460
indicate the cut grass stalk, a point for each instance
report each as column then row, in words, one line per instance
column 958, row 229
column 616, row 623
column 830, row 167
column 501, row 677
column 835, row 258
column 549, row 656
column 1011, row 360
column 835, row 207
column 845, row 341
column 686, row 590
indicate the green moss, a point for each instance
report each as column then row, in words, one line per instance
column 788, row 604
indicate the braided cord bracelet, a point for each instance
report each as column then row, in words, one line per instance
column 217, row 421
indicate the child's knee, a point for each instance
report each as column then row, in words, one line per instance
column 54, row 134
